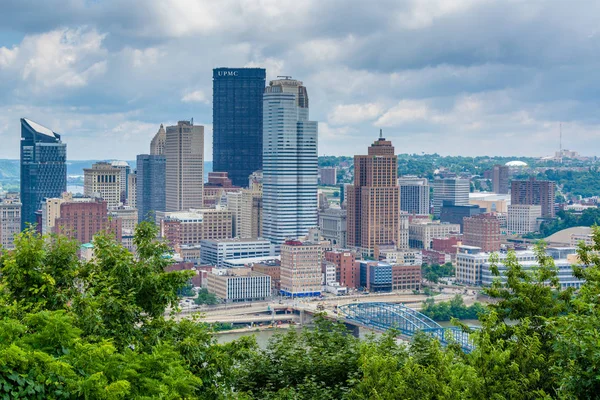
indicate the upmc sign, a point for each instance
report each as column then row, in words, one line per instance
column 227, row 73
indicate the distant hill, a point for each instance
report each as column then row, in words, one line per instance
column 9, row 169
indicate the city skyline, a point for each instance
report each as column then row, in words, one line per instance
column 106, row 76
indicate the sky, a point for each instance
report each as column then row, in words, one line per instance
column 456, row 77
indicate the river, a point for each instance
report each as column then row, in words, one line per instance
column 262, row 337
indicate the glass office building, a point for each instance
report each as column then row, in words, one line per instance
column 238, row 121
column 43, row 168
column 290, row 162
column 150, row 185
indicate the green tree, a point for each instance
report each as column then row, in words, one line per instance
column 206, row 297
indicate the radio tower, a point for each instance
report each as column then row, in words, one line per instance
column 560, row 142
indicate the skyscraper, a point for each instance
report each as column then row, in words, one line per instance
column 238, row 121
column 290, row 162
column 500, row 179
column 43, row 168
column 414, row 194
column 374, row 199
column 534, row 192
column 125, row 169
column 454, row 190
column 157, row 145
column 184, row 151
column 150, row 185
column 103, row 181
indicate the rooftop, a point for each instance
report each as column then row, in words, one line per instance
column 40, row 128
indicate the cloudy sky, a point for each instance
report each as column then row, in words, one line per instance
column 461, row 77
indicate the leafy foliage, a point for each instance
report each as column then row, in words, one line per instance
column 96, row 330
column 205, row 297
column 455, row 308
column 433, row 272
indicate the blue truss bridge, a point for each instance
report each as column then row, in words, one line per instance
column 384, row 316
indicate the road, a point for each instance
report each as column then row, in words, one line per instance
column 260, row 311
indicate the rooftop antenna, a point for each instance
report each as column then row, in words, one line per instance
column 284, row 76
column 560, row 140
column 192, row 121
column 380, row 133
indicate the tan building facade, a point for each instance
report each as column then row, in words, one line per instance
column 373, row 201
column 10, row 222
column 103, row 181
column 184, row 151
column 251, row 214
column 421, row 233
column 301, row 268
column 190, row 227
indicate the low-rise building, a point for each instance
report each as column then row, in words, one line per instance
column 301, row 268
column 470, row 260
column 422, row 231
column 406, row 277
column 273, row 269
column 191, row 227
column 82, row 220
column 239, row 285
column 214, row 251
column 375, row 276
column 346, row 272
column 482, row 231
column 249, row 262
column 522, row 218
column 403, row 257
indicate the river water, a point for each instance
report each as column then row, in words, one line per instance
column 262, row 337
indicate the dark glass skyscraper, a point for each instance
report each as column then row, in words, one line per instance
column 151, row 185
column 238, row 121
column 43, row 168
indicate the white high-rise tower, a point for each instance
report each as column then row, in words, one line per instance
column 290, row 162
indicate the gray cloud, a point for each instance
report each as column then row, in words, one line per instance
column 460, row 77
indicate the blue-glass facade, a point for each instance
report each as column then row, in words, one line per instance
column 43, row 168
column 151, row 184
column 376, row 276
column 238, row 121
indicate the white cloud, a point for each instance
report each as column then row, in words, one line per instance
column 197, row 96
column 354, row 113
column 62, row 58
column 404, row 111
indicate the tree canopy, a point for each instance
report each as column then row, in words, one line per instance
column 97, row 330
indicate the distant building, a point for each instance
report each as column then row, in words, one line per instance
column 347, row 271
column 103, row 181
column 454, row 190
column 375, row 276
column 214, row 251
column 273, row 269
column 184, row 152
column 534, row 192
column 238, row 121
column 239, row 285
column 191, row 227
column 328, row 176
column 125, row 169
column 564, row 259
column 490, row 202
column 448, row 245
column 150, row 186
column 406, row 277
column 402, row 257
column 82, row 220
column 86, row 252
column 522, row 218
column 333, row 224
column 454, row 214
column 301, row 269
column 129, row 220
column 43, row 168
column 157, row 145
column 290, row 162
column 421, row 233
column 132, row 189
column 500, row 174
column 10, row 222
column 373, row 201
column 217, row 188
column 414, row 195
column 482, row 231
